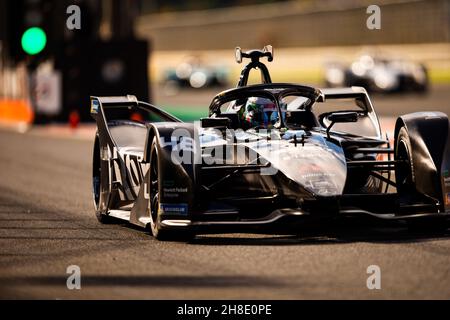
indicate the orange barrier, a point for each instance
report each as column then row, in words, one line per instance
column 16, row 111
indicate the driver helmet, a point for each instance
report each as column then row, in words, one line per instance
column 260, row 112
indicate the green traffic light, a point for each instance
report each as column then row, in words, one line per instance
column 34, row 40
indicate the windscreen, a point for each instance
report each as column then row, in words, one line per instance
column 253, row 111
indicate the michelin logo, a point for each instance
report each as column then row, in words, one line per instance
column 178, row 208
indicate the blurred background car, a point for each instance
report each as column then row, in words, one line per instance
column 378, row 73
column 194, row 73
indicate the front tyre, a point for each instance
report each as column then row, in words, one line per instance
column 406, row 187
column 156, row 228
column 98, row 184
column 404, row 173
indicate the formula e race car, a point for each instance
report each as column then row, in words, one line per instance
column 379, row 74
column 194, row 73
column 270, row 154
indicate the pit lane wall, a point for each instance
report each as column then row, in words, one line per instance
column 299, row 24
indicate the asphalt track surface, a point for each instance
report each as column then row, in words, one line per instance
column 47, row 223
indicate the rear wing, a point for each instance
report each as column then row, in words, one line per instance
column 100, row 106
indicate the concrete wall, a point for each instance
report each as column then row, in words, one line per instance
column 298, row 24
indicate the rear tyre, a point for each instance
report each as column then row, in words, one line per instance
column 156, row 228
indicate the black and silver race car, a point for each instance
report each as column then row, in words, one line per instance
column 270, row 154
column 379, row 74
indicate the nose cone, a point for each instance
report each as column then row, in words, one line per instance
column 321, row 171
column 318, row 166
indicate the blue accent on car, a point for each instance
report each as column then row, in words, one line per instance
column 174, row 208
column 94, row 106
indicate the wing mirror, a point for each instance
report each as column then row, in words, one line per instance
column 340, row 117
column 347, row 116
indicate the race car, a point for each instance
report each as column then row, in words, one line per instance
column 193, row 73
column 379, row 74
column 269, row 155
